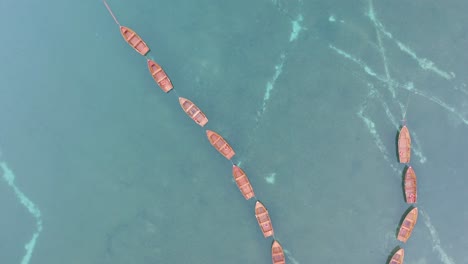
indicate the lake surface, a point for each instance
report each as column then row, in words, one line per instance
column 99, row 165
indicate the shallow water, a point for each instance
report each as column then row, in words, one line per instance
column 100, row 166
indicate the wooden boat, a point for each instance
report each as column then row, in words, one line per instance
column 242, row 182
column 411, row 187
column 277, row 254
column 398, row 257
column 220, row 144
column 193, row 111
column 263, row 219
column 132, row 38
column 408, row 224
column 159, row 76
column 404, row 145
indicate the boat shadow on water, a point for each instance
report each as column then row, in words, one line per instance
column 397, row 156
column 403, row 173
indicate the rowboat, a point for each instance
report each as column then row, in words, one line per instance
column 220, row 144
column 408, row 224
column 263, row 219
column 159, row 76
column 277, row 254
column 411, row 187
column 242, row 182
column 404, row 145
column 132, row 38
column 193, row 111
column 398, row 257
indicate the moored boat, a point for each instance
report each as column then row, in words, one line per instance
column 404, row 145
column 398, row 257
column 220, row 144
column 408, row 225
column 277, row 254
column 411, row 186
column 263, row 219
column 193, row 111
column 242, row 182
column 159, row 76
column 132, row 38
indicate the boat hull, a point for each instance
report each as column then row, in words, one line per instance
column 407, row 225
column 220, row 144
column 160, row 76
column 277, row 254
column 263, row 219
column 398, row 257
column 134, row 40
column 404, row 145
column 242, row 182
column 193, row 111
column 411, row 187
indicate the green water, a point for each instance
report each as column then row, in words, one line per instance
column 100, row 166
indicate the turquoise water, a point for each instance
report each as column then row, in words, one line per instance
column 100, row 166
